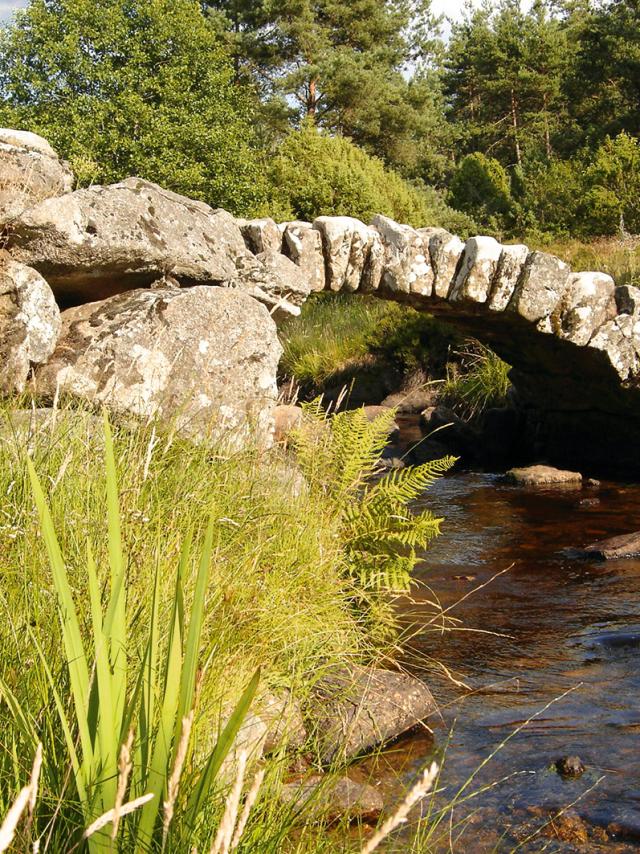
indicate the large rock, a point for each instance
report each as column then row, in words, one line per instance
column 274, row 280
column 614, row 548
column 587, row 303
column 100, row 241
column 540, row 289
column 261, row 235
column 329, row 798
column 407, row 265
column 30, row 171
column 354, row 709
column 203, row 359
column 543, row 476
column 445, row 251
column 29, row 323
column 510, row 267
column 619, row 338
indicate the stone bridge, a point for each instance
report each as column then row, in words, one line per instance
column 573, row 339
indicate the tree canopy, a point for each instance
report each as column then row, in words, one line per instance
column 124, row 87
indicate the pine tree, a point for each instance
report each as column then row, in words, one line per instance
column 345, row 67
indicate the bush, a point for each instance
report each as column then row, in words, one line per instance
column 612, row 203
column 315, row 174
column 480, row 187
column 138, row 88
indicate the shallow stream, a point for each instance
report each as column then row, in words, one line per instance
column 546, row 626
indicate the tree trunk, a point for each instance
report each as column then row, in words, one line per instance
column 547, row 134
column 312, row 100
column 514, row 122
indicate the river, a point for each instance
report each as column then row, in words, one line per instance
column 541, row 638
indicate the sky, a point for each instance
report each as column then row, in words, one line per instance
column 441, row 7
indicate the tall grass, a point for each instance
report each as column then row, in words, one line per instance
column 145, row 580
column 273, row 596
column 333, row 332
column 478, row 380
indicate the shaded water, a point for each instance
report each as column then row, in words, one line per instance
column 548, row 625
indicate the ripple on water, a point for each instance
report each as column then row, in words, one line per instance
column 548, row 626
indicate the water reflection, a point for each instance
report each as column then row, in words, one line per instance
column 549, row 625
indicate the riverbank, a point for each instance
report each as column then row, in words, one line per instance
column 279, row 601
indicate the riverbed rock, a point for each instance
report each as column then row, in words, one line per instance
column 353, row 709
column 331, row 799
column 29, row 323
column 449, row 430
column 411, row 401
column 374, row 412
column 286, row 418
column 103, row 240
column 570, row 766
column 302, row 243
column 285, row 725
column 30, row 171
column 540, row 475
column 202, row 359
column 614, row 548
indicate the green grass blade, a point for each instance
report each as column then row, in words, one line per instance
column 18, row 714
column 222, row 748
column 158, row 768
column 108, row 728
column 72, row 639
column 192, row 646
column 118, row 633
column 81, row 772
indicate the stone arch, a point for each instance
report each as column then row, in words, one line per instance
column 573, row 339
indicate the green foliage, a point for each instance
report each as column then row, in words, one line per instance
column 479, row 381
column 274, row 597
column 315, row 174
column 338, row 333
column 480, row 187
column 133, row 87
column 612, row 203
column 381, row 536
column 343, row 66
column 110, row 701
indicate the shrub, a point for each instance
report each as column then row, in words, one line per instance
column 479, row 381
column 480, row 187
column 612, row 202
column 315, row 174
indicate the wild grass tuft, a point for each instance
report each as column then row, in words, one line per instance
column 478, row 381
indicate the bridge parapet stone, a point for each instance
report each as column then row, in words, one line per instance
column 512, row 261
column 407, row 263
column 477, row 270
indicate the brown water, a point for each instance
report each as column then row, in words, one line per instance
column 547, row 626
